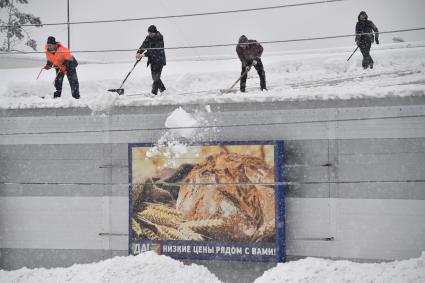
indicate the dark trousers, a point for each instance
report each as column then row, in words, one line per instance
column 261, row 73
column 72, row 79
column 156, row 70
column 365, row 46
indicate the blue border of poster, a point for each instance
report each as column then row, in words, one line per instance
column 208, row 250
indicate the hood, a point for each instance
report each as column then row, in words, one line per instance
column 243, row 39
column 158, row 36
column 362, row 13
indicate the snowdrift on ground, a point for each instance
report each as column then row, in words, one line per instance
column 149, row 267
column 323, row 270
column 144, row 268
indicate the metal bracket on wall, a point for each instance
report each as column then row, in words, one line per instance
column 315, row 239
column 112, row 234
column 113, row 166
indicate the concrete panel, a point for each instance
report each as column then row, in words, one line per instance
column 139, row 121
column 52, row 222
column 417, row 98
column 54, row 190
column 358, row 190
column 306, row 152
column 119, row 223
column 59, row 138
column 365, row 229
column 58, row 124
column 308, row 219
column 11, row 259
column 363, row 122
column 119, row 152
column 305, row 190
column 381, row 167
column 382, row 128
column 380, row 146
column 52, row 151
column 52, row 171
column 120, row 173
column 387, row 229
column 301, row 174
column 276, row 132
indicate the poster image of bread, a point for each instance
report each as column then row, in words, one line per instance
column 215, row 201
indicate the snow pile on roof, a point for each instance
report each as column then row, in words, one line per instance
column 322, row 270
column 144, row 268
column 314, row 75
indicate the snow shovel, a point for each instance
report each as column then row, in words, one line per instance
column 352, row 53
column 120, row 90
column 40, row 73
column 233, row 85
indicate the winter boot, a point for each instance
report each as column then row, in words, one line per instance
column 263, row 85
column 57, row 94
column 154, row 88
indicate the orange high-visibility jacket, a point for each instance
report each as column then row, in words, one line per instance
column 62, row 53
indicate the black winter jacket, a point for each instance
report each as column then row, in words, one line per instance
column 155, row 56
column 365, row 26
column 252, row 51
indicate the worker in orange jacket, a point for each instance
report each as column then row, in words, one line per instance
column 59, row 57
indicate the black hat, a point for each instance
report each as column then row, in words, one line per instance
column 51, row 40
column 152, row 28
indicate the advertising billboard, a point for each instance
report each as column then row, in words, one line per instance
column 221, row 201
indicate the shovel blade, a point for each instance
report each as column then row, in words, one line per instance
column 120, row 91
column 228, row 91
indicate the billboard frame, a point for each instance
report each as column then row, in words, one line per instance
column 279, row 200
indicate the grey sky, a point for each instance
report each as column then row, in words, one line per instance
column 287, row 23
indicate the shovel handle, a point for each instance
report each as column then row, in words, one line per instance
column 244, row 73
column 57, row 74
column 39, row 73
column 352, row 53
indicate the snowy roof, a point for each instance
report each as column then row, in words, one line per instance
column 302, row 75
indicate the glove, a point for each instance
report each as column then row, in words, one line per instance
column 377, row 41
column 247, row 68
column 254, row 62
column 139, row 56
column 47, row 67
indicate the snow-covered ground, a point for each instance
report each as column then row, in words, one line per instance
column 149, row 267
column 322, row 270
column 310, row 74
column 144, row 268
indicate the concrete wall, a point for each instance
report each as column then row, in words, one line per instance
column 356, row 167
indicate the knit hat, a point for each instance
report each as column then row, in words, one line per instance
column 51, row 40
column 152, row 28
